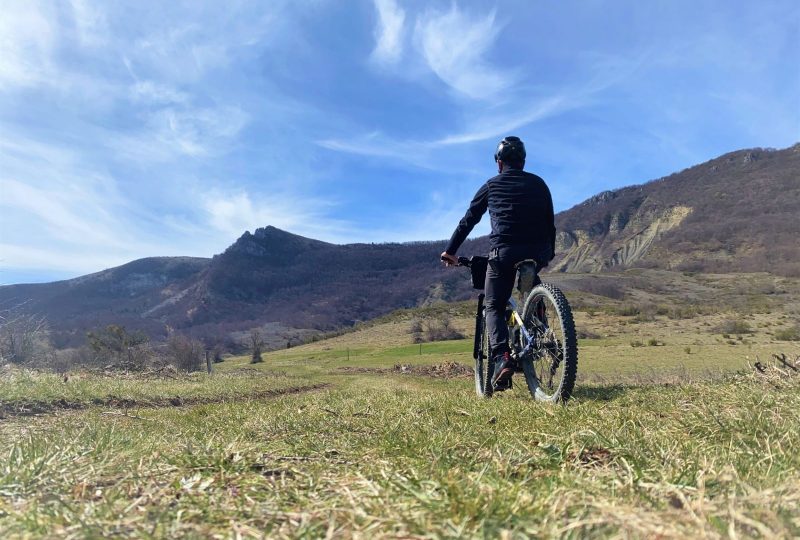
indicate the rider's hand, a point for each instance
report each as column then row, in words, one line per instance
column 449, row 260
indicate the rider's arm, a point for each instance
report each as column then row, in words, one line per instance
column 552, row 223
column 476, row 210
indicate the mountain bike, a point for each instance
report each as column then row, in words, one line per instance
column 542, row 337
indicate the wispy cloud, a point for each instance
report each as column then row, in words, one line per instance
column 455, row 46
column 236, row 211
column 197, row 131
column 482, row 126
column 169, row 128
column 389, row 32
column 157, row 93
column 53, row 203
column 90, row 22
column 27, row 38
column 498, row 125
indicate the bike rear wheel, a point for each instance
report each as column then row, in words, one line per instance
column 550, row 370
column 484, row 367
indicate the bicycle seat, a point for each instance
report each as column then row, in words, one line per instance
column 527, row 273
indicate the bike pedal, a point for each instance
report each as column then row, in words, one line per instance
column 503, row 385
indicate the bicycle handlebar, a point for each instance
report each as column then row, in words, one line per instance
column 462, row 261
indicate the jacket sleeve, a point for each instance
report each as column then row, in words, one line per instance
column 551, row 220
column 476, row 210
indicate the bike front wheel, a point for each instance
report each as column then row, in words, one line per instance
column 552, row 365
column 484, row 367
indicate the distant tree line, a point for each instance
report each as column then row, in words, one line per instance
column 25, row 342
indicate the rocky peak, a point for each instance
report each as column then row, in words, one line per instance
column 603, row 196
column 273, row 242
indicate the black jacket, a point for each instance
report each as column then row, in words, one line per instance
column 521, row 210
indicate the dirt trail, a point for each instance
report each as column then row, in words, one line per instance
column 445, row 370
column 11, row 409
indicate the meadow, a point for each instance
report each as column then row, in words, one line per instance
column 678, row 428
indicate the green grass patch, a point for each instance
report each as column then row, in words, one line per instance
column 404, row 459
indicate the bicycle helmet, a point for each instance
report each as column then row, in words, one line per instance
column 510, row 150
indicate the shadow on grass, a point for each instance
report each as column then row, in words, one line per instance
column 599, row 393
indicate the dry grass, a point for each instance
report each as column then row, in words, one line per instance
column 664, row 441
column 420, row 457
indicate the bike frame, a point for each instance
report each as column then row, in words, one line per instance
column 518, row 324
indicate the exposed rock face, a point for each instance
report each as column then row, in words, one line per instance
column 625, row 241
column 737, row 212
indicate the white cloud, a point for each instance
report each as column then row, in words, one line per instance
column 208, row 37
column 57, row 214
column 481, row 126
column 156, row 93
column 57, row 259
column 379, row 145
column 197, row 132
column 455, row 45
column 388, row 32
column 234, row 212
column 170, row 133
column 90, row 22
column 68, row 212
column 96, row 174
column 27, row 40
column 498, row 125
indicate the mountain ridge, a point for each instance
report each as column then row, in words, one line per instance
column 732, row 213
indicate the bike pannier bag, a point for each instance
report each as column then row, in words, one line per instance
column 478, row 270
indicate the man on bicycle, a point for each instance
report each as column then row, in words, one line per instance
column 523, row 227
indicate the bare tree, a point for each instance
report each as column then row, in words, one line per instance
column 23, row 336
column 256, row 345
column 186, row 353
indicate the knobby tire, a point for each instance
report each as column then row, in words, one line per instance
column 566, row 347
column 484, row 367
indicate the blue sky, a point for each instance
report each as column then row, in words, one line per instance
column 132, row 129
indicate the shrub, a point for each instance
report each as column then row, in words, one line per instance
column 646, row 314
column 116, row 348
column 689, row 311
column 416, row 326
column 587, row 334
column 788, row 334
column 438, row 330
column 628, row 310
column 733, row 326
column 184, row 353
column 637, row 343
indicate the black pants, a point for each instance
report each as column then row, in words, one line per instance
column 499, row 285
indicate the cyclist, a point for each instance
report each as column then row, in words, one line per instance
column 521, row 212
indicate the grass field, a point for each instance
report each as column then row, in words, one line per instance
column 677, row 439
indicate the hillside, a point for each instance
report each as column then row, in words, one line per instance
column 270, row 276
column 733, row 213
column 122, row 295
